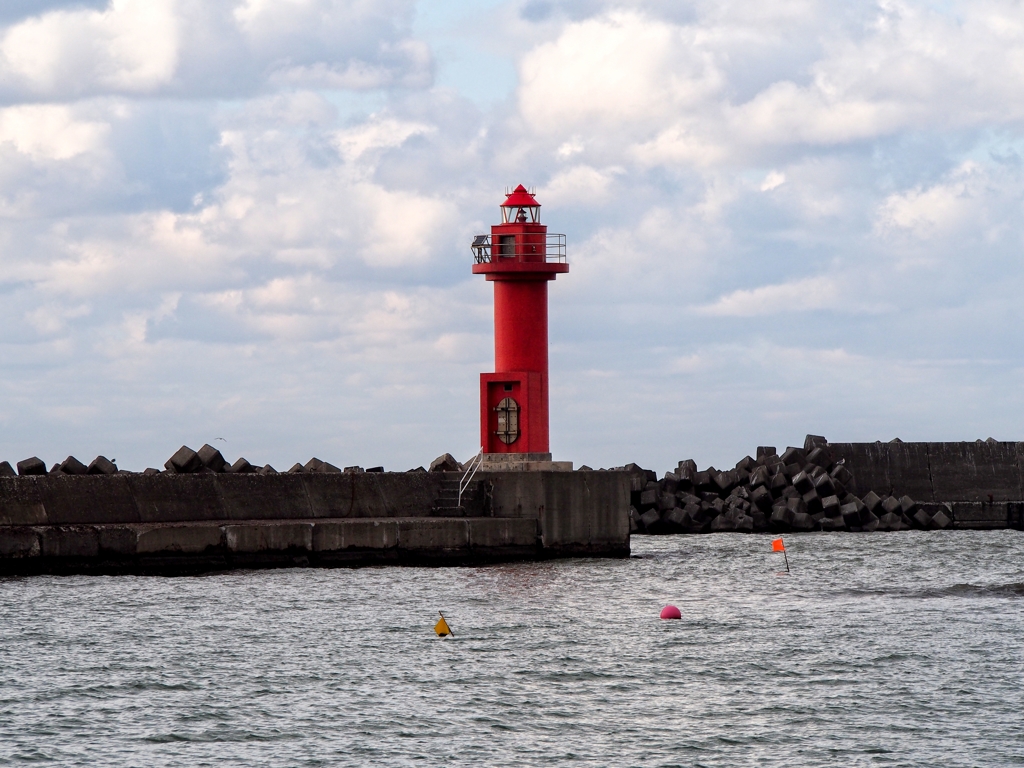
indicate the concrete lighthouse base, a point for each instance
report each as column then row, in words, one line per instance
column 523, row 462
column 577, row 513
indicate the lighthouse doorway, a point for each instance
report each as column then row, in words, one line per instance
column 508, row 421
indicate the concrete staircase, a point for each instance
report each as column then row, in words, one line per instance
column 447, row 502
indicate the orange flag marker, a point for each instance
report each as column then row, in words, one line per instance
column 779, row 546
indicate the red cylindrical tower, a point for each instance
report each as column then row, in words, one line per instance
column 519, row 257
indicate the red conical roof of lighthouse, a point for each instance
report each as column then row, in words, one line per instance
column 520, row 198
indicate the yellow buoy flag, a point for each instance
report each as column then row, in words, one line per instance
column 442, row 627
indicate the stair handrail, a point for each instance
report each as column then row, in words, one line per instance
column 467, row 476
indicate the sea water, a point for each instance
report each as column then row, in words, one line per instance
column 902, row 649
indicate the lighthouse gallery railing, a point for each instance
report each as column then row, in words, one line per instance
column 554, row 249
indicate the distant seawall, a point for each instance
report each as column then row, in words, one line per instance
column 981, row 483
column 188, row 523
column 856, row 487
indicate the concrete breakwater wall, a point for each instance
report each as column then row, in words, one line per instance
column 980, row 483
column 839, row 487
column 183, row 522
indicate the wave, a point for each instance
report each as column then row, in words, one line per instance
column 1010, row 590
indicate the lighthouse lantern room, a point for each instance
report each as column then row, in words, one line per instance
column 520, row 258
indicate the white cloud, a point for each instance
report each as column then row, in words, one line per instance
column 201, row 47
column 618, row 70
column 381, row 133
column 50, row 319
column 147, row 252
column 277, row 207
column 772, row 181
column 402, row 227
column 130, row 47
column 682, row 144
column 811, row 293
column 298, row 43
column 936, row 210
column 580, row 185
column 689, row 364
column 669, row 93
column 406, row 64
column 50, row 131
column 252, row 13
column 569, row 148
column 785, row 113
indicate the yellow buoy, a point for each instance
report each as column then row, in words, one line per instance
column 442, row 627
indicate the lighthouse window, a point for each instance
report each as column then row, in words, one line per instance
column 508, row 421
column 507, row 245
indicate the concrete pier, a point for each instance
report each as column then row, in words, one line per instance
column 190, row 523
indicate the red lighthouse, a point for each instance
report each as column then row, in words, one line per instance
column 520, row 258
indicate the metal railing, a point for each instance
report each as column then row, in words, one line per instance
column 554, row 249
column 481, row 249
column 467, row 476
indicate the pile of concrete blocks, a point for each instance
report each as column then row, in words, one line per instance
column 185, row 461
column 209, row 459
column 804, row 489
column 101, row 465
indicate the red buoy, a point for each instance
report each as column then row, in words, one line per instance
column 670, row 612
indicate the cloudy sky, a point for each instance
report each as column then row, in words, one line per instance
column 249, row 220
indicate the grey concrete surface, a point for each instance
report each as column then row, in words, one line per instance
column 578, row 512
column 185, row 523
column 938, row 472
